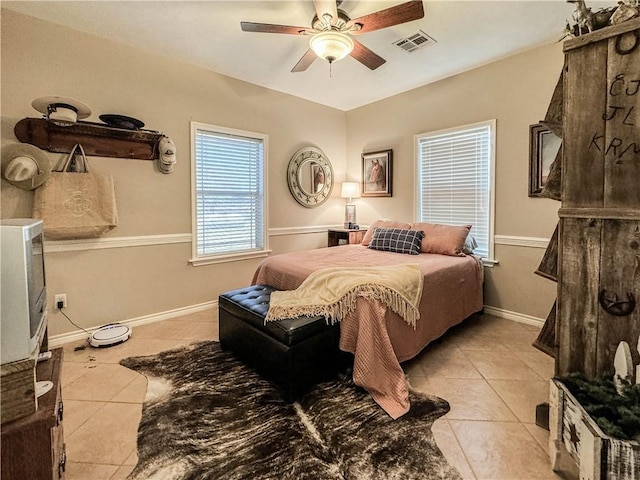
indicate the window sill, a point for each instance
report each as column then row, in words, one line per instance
column 231, row 257
column 489, row 262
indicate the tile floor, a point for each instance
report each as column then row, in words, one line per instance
column 486, row 369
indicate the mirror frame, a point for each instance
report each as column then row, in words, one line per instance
column 301, row 157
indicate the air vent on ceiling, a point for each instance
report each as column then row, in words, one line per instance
column 415, row 42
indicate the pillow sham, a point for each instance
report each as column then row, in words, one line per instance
column 382, row 224
column 443, row 239
column 397, row 240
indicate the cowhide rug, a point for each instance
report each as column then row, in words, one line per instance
column 208, row 416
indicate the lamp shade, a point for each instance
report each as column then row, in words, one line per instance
column 350, row 190
column 331, row 46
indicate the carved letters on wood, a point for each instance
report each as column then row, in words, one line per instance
column 621, row 112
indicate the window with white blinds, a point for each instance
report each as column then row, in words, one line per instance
column 455, row 180
column 229, row 197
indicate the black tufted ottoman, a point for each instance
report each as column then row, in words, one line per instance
column 295, row 353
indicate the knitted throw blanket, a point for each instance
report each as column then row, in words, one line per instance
column 332, row 292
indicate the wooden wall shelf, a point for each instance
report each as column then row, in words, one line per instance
column 96, row 139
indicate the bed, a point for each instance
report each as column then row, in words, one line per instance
column 452, row 291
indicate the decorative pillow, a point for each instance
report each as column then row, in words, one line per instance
column 470, row 244
column 397, row 240
column 442, row 239
column 382, row 224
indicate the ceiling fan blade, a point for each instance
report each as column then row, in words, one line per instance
column 405, row 12
column 365, row 56
column 271, row 28
column 326, row 6
column 305, row 62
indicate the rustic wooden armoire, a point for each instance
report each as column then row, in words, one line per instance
column 599, row 219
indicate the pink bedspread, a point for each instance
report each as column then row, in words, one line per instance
column 379, row 338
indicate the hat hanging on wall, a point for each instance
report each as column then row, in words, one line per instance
column 61, row 110
column 167, row 159
column 25, row 165
column 121, row 121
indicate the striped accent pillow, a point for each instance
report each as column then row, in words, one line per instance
column 397, row 240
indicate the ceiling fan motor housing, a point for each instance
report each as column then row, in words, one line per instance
column 322, row 24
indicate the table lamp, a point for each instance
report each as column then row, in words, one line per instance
column 350, row 190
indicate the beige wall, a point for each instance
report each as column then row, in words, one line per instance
column 117, row 284
column 107, row 285
column 516, row 92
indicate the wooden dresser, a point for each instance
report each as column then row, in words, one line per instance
column 599, row 229
column 33, row 446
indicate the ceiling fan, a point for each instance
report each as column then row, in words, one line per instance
column 332, row 29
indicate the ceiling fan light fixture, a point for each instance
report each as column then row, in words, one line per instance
column 331, row 46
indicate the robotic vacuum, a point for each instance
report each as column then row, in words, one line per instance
column 110, row 335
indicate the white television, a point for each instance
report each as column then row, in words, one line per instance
column 23, row 291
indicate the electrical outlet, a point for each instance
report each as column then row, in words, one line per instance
column 61, row 298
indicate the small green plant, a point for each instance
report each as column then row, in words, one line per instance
column 618, row 415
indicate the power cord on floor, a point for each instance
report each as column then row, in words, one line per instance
column 81, row 347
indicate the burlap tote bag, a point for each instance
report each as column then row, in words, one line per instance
column 75, row 203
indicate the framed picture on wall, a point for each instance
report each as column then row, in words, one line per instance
column 377, row 173
column 543, row 148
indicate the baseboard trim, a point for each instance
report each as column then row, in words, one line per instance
column 514, row 316
column 64, row 338
column 59, row 340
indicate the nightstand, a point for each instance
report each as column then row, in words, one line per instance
column 342, row 236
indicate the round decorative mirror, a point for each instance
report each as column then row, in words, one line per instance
column 310, row 177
